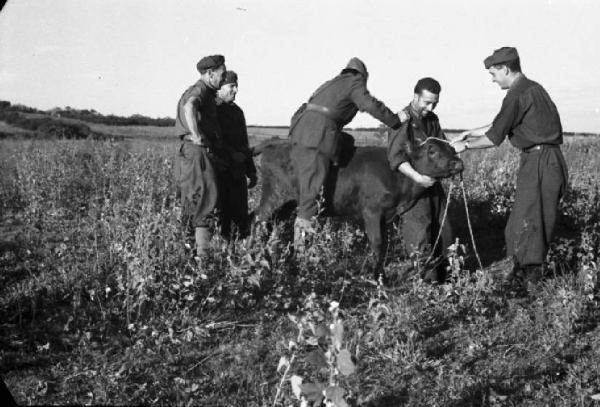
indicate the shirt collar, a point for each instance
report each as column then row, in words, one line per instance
column 207, row 86
column 518, row 80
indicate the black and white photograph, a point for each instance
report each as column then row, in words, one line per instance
column 300, row 203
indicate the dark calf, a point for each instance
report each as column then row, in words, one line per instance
column 362, row 187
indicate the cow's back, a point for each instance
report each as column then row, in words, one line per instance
column 365, row 182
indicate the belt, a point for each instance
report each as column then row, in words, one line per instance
column 325, row 111
column 538, row 147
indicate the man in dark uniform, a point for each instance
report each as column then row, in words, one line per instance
column 422, row 222
column 315, row 131
column 195, row 171
column 233, row 187
column 530, row 120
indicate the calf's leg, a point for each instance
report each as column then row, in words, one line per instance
column 374, row 227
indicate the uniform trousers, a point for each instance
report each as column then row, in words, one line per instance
column 311, row 168
column 196, row 180
column 541, row 182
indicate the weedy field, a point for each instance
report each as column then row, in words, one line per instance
column 102, row 302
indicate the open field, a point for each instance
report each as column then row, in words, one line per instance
column 101, row 302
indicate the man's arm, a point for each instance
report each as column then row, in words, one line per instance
column 473, row 139
column 367, row 103
column 421, row 179
column 191, row 116
column 398, row 156
column 505, row 121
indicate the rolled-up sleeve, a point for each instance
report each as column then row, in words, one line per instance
column 397, row 152
column 507, row 119
column 367, row 103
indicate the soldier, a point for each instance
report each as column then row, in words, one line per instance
column 531, row 121
column 315, row 131
column 234, row 188
column 422, row 222
column 197, row 162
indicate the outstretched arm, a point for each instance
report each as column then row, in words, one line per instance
column 367, row 103
column 473, row 139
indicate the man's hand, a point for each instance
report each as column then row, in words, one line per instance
column 422, row 180
column 403, row 116
column 252, row 180
column 195, row 139
column 464, row 135
column 459, row 145
column 425, row 180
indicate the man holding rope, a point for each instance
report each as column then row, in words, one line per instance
column 422, row 222
column 531, row 121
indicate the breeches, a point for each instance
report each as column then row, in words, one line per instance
column 310, row 168
column 541, row 182
column 197, row 183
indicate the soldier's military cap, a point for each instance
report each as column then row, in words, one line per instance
column 210, row 62
column 357, row 65
column 230, row 77
column 504, row 54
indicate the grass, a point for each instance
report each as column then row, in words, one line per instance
column 102, row 302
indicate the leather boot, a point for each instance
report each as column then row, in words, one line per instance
column 202, row 241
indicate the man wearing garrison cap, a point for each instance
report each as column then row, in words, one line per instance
column 233, row 186
column 315, row 134
column 198, row 160
column 530, row 120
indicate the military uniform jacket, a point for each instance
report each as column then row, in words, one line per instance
column 527, row 116
column 205, row 111
column 343, row 96
column 414, row 131
column 235, row 139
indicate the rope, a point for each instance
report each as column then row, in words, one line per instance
column 437, row 239
column 434, row 138
column 464, row 194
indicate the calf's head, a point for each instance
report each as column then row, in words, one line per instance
column 436, row 158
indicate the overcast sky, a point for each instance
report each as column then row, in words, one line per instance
column 127, row 57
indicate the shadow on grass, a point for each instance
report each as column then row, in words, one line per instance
column 487, row 227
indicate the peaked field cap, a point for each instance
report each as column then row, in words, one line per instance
column 504, row 54
column 357, row 65
column 210, row 62
column 230, row 77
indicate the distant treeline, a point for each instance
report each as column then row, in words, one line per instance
column 92, row 116
column 42, row 125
